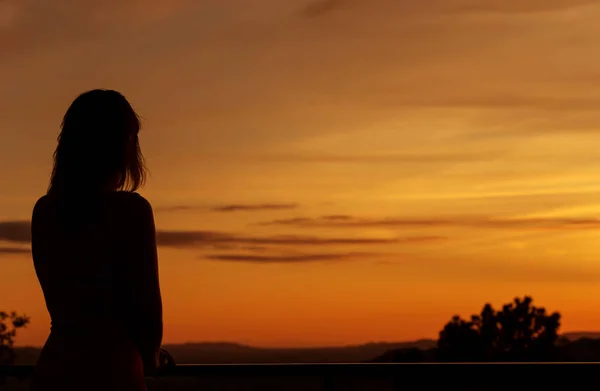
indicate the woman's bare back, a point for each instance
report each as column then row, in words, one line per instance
column 95, row 258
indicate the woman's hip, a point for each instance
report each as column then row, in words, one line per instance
column 92, row 361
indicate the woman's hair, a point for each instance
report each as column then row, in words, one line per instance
column 98, row 148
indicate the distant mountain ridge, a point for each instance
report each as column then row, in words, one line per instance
column 575, row 335
column 235, row 353
column 225, row 353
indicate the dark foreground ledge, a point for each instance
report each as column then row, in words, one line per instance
column 356, row 369
column 372, row 376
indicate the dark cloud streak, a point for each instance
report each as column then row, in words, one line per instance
column 524, row 6
column 15, row 231
column 229, row 207
column 397, row 158
column 178, row 208
column 14, row 250
column 294, row 258
column 19, row 232
column 211, row 238
column 320, row 8
column 458, row 221
column 251, row 208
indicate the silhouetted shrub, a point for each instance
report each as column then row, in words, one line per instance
column 517, row 332
column 9, row 323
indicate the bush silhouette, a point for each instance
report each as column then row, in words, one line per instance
column 9, row 324
column 517, row 332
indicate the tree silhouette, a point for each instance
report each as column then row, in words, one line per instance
column 518, row 332
column 9, row 323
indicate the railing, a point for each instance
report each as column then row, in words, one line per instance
column 368, row 377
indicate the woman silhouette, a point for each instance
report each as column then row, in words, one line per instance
column 94, row 252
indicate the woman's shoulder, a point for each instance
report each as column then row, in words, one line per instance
column 130, row 210
column 40, row 204
column 133, row 202
column 41, row 201
column 123, row 203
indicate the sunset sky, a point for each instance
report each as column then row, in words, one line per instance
column 326, row 172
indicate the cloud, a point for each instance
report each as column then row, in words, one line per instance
column 255, row 248
column 322, row 7
column 498, row 101
column 33, row 24
column 294, row 258
column 523, row 272
column 96, row 12
column 15, row 231
column 19, row 232
column 487, row 64
column 319, row 8
column 255, row 207
column 524, row 6
column 14, row 250
column 178, row 208
column 395, row 158
column 337, row 217
column 212, row 238
column 458, row 221
column 229, row 207
column 9, row 12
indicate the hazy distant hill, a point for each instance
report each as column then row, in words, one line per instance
column 232, row 353
column 573, row 336
column 571, row 347
column 221, row 353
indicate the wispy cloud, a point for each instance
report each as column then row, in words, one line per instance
column 382, row 158
column 178, row 208
column 32, row 24
column 253, row 207
column 337, row 217
column 461, row 221
column 14, row 250
column 19, row 232
column 9, row 12
column 322, row 7
column 525, row 6
column 15, row 231
column 458, row 99
column 293, row 258
column 319, row 8
column 228, row 207
column 523, row 272
column 211, row 238
column 260, row 249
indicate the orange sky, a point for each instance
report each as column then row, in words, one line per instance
column 393, row 162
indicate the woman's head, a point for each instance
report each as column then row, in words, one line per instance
column 98, row 148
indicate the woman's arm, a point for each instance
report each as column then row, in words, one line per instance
column 146, row 303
